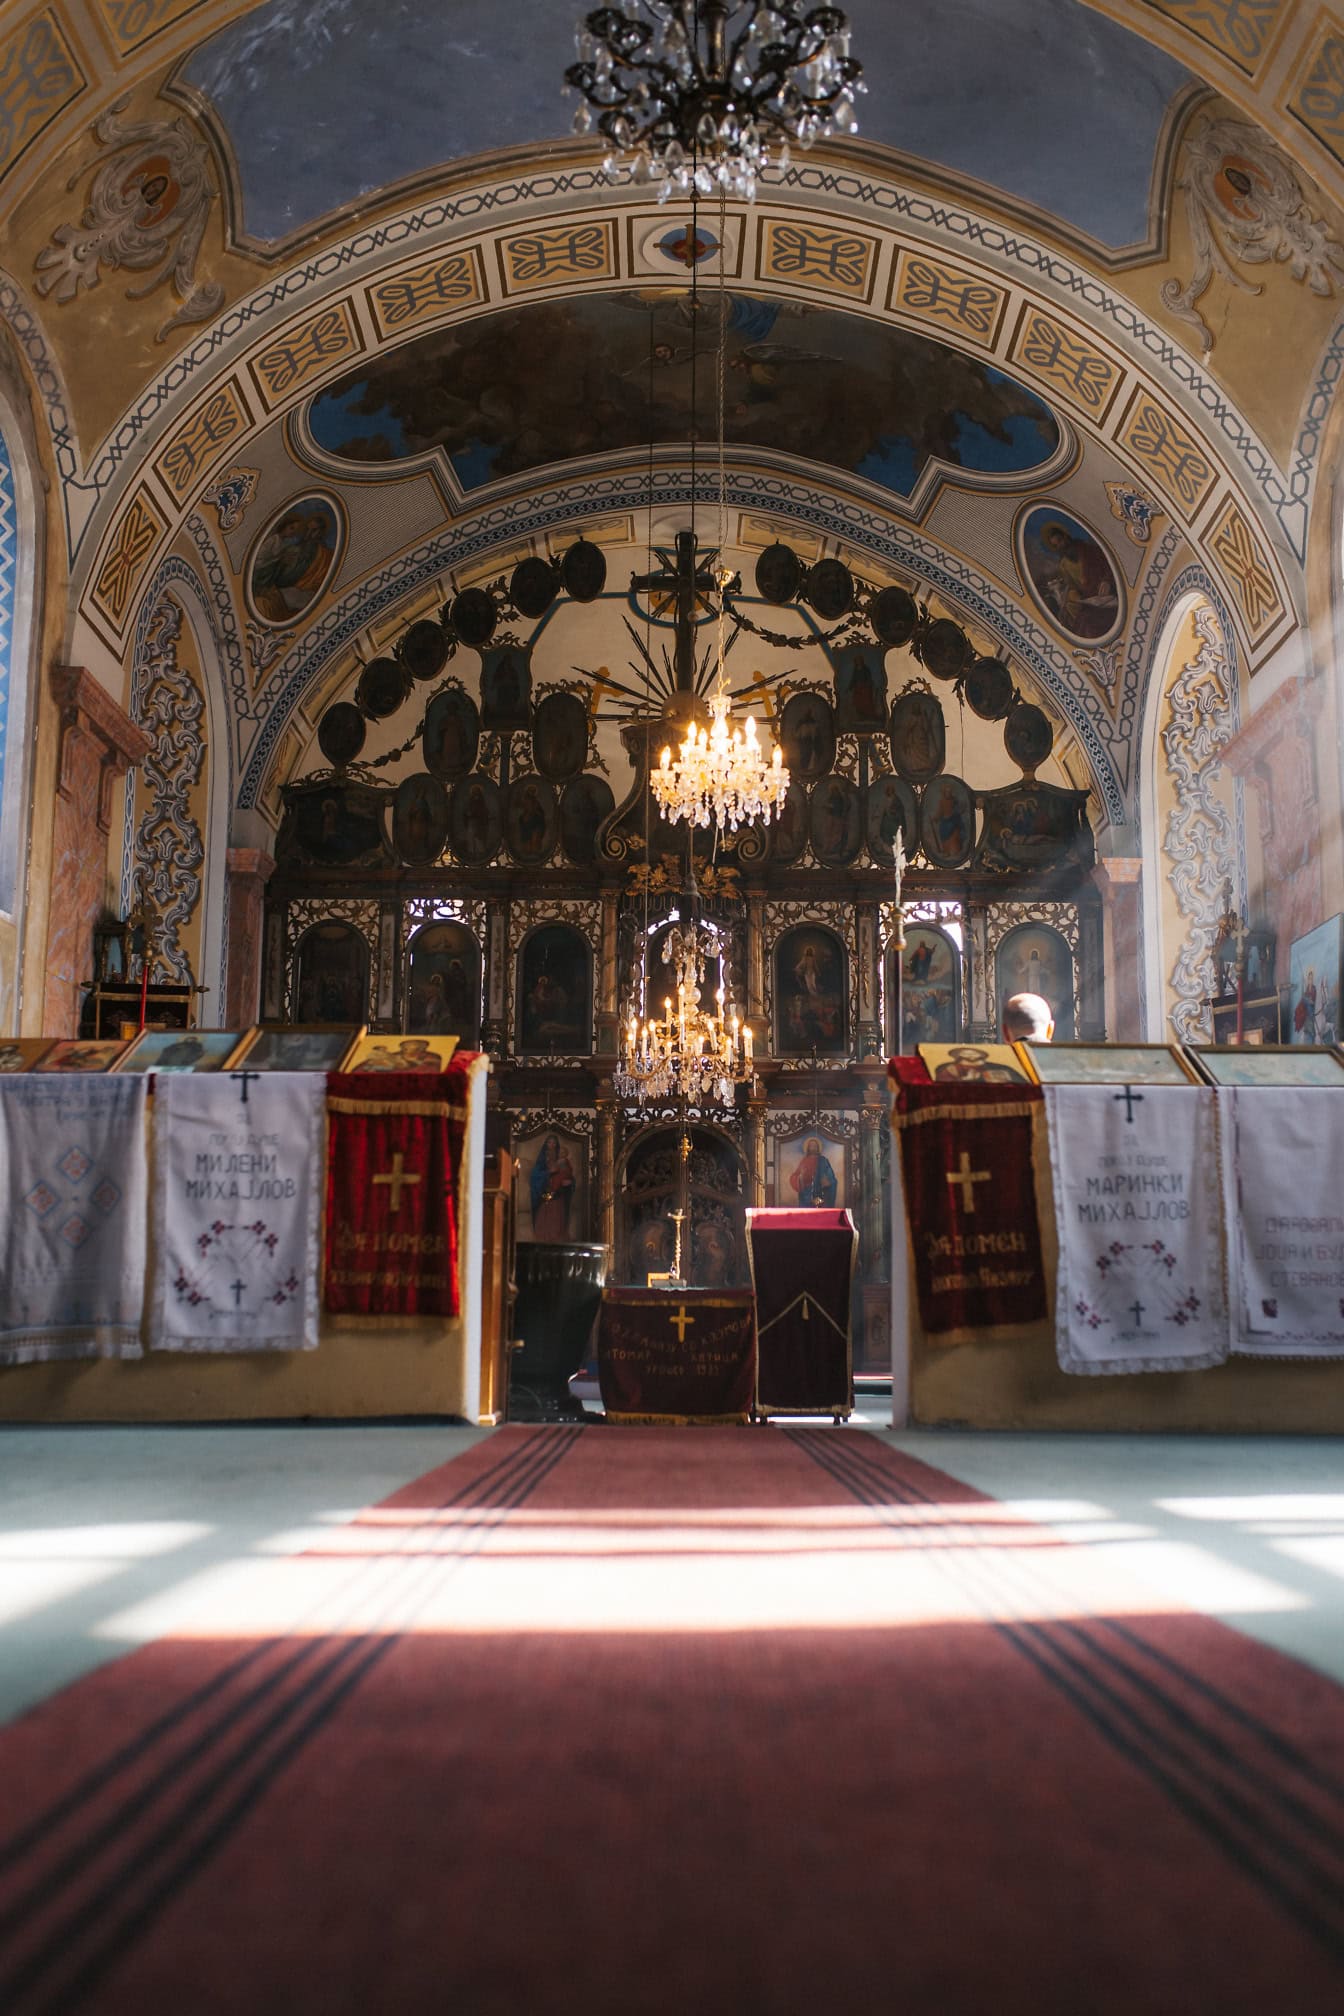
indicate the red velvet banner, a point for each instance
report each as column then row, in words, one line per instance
column 677, row 1354
column 968, row 1160
column 394, row 1161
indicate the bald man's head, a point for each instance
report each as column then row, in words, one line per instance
column 1027, row 1019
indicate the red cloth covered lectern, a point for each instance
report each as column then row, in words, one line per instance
column 802, row 1265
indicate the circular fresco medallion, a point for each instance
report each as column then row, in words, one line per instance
column 340, row 733
column 1028, row 736
column 533, row 586
column 988, row 687
column 560, row 735
column 293, row 559
column 383, row 685
column 1070, row 574
column 891, row 809
column 807, row 735
column 946, row 822
column 474, row 616
column 475, row 819
column 894, row 616
column 420, row 819
column 585, row 803
column 918, row 736
column 779, row 573
column 944, row 648
column 583, row 571
column 788, row 828
column 424, row 650
column 451, row 734
column 829, row 587
column 835, row 818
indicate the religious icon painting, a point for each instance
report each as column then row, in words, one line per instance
column 811, row 986
column 420, row 819
column 531, row 820
column 1314, row 979
column 554, row 1011
column 331, row 975
column 930, row 987
column 182, row 1050
column 76, row 1054
column 860, row 689
column 1070, row 573
column 443, row 984
column 1260, row 1021
column 1107, row 1064
column 586, row 803
column 451, row 734
column 1270, row 1064
column 402, row 1053
column 552, row 1186
column 835, row 821
column 293, row 560
column 890, row 809
column 974, row 1064
column 946, row 822
column 560, row 735
column 337, row 825
column 811, row 1173
column 506, row 688
column 292, row 1049
column 1035, row 959
column 807, row 735
column 918, row 736
column 1034, row 825
column 788, row 829
column 476, row 820
column 22, row 1053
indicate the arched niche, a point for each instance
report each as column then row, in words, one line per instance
column 553, row 993
column 441, row 990
column 1034, row 958
column 331, row 975
column 648, row 1183
column 1192, row 837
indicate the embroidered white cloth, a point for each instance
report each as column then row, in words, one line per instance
column 1138, row 1210
column 237, row 1200
column 72, row 1217
column 1283, row 1176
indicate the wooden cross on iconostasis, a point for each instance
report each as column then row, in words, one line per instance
column 687, row 586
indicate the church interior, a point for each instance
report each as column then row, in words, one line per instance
column 585, row 598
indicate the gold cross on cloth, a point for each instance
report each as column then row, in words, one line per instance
column 967, row 1178
column 398, row 1179
column 681, row 1322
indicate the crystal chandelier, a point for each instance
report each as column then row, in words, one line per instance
column 688, row 1054
column 693, row 94
column 720, row 776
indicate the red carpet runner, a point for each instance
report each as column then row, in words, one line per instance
column 689, row 1721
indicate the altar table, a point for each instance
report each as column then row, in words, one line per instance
column 677, row 1354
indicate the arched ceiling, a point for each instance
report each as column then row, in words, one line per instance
column 995, row 90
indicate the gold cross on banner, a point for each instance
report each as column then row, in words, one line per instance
column 397, row 1178
column 967, row 1178
column 681, row 1322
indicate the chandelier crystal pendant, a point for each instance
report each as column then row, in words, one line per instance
column 695, row 94
column 689, row 1054
column 720, row 776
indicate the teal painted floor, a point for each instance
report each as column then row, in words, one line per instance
column 112, row 1536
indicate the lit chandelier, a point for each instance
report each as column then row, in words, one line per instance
column 689, row 1055
column 688, row 105
column 721, row 776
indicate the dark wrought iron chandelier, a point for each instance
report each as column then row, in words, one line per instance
column 694, row 94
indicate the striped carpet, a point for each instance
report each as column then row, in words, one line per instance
column 709, row 1721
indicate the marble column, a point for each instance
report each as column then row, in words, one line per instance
column 98, row 744
column 250, row 869
column 1119, row 877
column 1276, row 754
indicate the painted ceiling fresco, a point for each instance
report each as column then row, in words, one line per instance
column 1044, row 99
column 533, row 386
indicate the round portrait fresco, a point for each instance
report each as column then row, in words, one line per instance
column 293, row 560
column 1070, row 574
